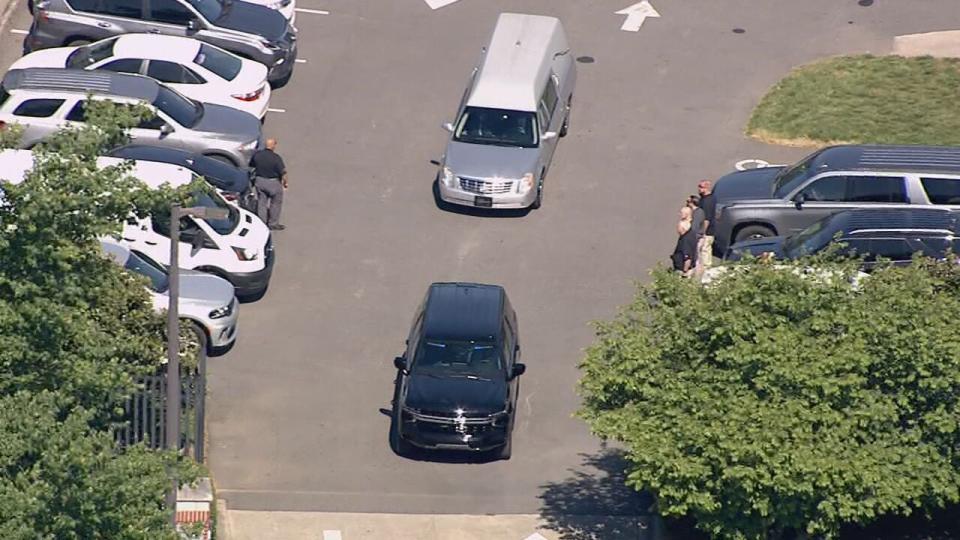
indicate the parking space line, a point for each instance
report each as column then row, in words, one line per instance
column 300, row 61
column 21, row 32
column 276, row 110
column 314, row 11
column 332, row 535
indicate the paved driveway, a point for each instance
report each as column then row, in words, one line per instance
column 295, row 419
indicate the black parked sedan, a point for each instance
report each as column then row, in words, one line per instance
column 457, row 383
column 226, row 177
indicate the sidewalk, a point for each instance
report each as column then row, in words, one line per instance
column 252, row 525
column 6, row 11
column 940, row 44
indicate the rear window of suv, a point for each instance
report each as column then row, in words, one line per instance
column 942, row 190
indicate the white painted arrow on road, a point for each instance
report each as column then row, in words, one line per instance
column 437, row 4
column 636, row 14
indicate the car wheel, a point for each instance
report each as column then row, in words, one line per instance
column 397, row 444
column 30, row 6
column 753, row 232
column 193, row 343
column 566, row 121
column 538, row 202
column 79, row 42
column 506, row 450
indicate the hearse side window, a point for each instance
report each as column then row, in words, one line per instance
column 879, row 189
column 942, row 190
column 38, row 108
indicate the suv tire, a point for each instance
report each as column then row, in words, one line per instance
column 399, row 446
column 751, row 232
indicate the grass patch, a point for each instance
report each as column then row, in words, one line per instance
column 863, row 99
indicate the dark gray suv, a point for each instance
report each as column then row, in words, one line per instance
column 249, row 30
column 785, row 200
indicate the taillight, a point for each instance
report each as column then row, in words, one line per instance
column 251, row 96
column 229, row 195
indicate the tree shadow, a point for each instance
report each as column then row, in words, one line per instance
column 943, row 524
column 596, row 504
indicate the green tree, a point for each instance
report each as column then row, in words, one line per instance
column 62, row 480
column 776, row 400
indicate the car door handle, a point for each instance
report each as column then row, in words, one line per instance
column 103, row 24
column 149, row 243
column 153, row 31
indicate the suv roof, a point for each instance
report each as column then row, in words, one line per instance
column 463, row 311
column 868, row 220
column 878, row 157
column 82, row 81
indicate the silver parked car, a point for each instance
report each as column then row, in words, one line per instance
column 516, row 105
column 44, row 100
column 780, row 201
column 207, row 303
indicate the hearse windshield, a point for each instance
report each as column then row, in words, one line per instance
column 499, row 127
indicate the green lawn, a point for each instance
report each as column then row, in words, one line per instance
column 868, row 99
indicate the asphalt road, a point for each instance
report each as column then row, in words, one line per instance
column 294, row 411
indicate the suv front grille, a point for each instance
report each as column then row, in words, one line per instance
column 485, row 187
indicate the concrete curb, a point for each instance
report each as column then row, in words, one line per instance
column 6, row 11
column 940, row 44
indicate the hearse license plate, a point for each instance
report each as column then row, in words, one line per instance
column 483, row 202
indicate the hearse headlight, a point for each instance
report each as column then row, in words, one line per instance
column 448, row 178
column 525, row 184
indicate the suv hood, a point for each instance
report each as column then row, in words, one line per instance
column 488, row 161
column 750, row 184
column 228, row 124
column 253, row 19
column 756, row 248
column 446, row 394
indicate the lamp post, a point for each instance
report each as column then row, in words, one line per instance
column 173, row 332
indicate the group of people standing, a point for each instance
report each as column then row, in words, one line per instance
column 693, row 253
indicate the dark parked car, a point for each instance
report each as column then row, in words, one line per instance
column 785, row 200
column 458, row 381
column 218, row 173
column 894, row 234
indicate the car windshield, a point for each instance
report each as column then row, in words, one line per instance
column 91, row 54
column 791, row 177
column 458, row 358
column 139, row 263
column 183, row 110
column 499, row 127
column 221, row 62
column 808, row 241
column 212, row 200
column 210, row 9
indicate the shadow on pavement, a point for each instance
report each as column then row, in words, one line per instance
column 942, row 525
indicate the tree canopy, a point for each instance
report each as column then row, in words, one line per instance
column 778, row 399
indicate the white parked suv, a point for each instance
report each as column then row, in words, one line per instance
column 206, row 302
column 198, row 70
column 238, row 248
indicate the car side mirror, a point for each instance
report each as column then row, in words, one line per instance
column 165, row 130
column 193, row 25
column 799, row 200
column 400, row 363
column 518, row 370
column 447, row 126
column 549, row 135
column 196, row 243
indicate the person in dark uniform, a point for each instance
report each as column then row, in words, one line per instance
column 271, row 181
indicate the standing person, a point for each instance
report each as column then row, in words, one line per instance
column 271, row 181
column 693, row 203
column 684, row 255
column 708, row 202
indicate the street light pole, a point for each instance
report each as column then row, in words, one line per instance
column 173, row 351
column 173, row 333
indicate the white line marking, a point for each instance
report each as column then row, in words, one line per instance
column 300, row 61
column 332, row 535
column 314, row 11
column 21, row 32
column 536, row 536
column 276, row 110
column 636, row 14
column 437, row 4
column 745, row 164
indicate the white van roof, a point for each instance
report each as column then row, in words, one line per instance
column 15, row 164
column 517, row 62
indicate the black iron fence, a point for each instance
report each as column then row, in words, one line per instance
column 145, row 412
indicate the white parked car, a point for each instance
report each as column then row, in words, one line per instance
column 196, row 69
column 206, row 305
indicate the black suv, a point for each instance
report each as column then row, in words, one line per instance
column 458, row 381
column 894, row 234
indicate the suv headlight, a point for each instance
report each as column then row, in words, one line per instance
column 525, row 184
column 245, row 254
column 448, row 178
column 501, row 418
column 222, row 312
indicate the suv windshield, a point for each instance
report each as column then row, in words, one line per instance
column 791, row 177
column 184, row 111
column 458, row 358
column 499, row 127
column 210, row 9
column 220, row 62
column 139, row 263
column 210, row 200
column 91, row 54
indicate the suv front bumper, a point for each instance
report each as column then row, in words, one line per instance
column 436, row 436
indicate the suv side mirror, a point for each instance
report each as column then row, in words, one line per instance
column 193, row 25
column 400, row 363
column 518, row 370
column 799, row 200
column 447, row 126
